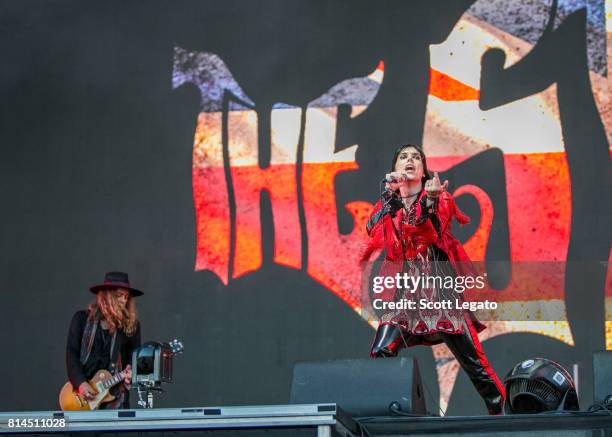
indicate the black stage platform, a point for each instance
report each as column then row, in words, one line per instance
column 323, row 420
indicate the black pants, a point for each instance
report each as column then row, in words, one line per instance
column 391, row 338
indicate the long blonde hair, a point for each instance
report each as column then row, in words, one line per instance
column 106, row 306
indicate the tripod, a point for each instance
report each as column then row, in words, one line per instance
column 147, row 388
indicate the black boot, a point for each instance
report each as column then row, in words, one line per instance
column 388, row 341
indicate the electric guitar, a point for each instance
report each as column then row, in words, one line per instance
column 102, row 382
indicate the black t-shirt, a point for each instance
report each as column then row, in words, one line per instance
column 99, row 358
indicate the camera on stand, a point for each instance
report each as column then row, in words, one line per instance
column 152, row 365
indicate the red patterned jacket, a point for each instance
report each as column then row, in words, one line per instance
column 386, row 231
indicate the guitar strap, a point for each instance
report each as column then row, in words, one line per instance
column 112, row 348
column 89, row 334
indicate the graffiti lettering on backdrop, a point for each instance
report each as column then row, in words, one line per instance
column 228, row 181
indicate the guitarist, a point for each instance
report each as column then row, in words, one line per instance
column 104, row 337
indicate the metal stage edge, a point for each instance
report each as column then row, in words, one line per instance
column 322, row 417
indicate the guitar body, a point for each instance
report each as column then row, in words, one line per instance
column 71, row 400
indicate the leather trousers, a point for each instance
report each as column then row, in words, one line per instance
column 391, row 338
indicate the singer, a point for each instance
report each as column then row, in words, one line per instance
column 411, row 223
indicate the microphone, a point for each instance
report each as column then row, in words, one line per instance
column 391, row 179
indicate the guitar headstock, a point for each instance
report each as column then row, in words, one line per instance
column 176, row 347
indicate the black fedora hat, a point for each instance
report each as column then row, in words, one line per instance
column 116, row 280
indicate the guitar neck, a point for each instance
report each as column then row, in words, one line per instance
column 113, row 381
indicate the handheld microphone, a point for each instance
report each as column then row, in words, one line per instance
column 390, row 179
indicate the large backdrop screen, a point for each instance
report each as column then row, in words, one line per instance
column 228, row 154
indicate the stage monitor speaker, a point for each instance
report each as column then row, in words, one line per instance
column 361, row 387
column 602, row 375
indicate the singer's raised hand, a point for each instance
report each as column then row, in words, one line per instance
column 434, row 187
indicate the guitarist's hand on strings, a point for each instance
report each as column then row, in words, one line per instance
column 86, row 391
column 128, row 374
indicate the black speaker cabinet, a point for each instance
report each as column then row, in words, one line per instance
column 361, row 387
column 602, row 375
